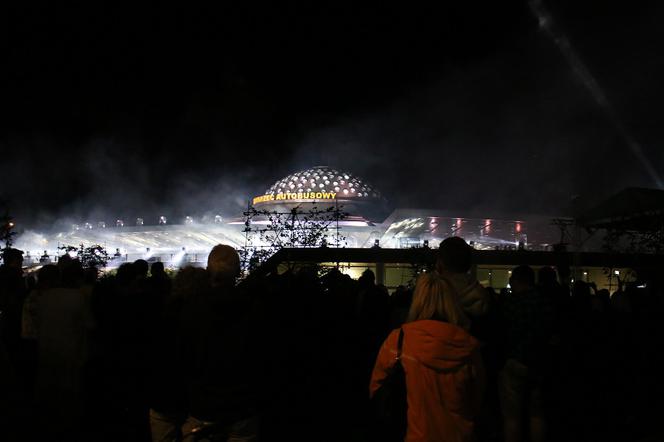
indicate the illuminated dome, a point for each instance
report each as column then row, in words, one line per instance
column 325, row 186
column 325, row 179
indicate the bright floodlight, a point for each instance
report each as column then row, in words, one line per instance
column 178, row 258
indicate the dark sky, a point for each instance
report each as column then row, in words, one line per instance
column 111, row 112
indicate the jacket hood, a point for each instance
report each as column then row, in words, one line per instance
column 472, row 297
column 438, row 345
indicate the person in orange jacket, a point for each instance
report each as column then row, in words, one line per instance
column 442, row 364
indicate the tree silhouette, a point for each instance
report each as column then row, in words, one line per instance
column 7, row 231
column 268, row 231
column 92, row 256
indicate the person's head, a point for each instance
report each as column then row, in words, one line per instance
column 190, row 282
column 12, row 258
column 547, row 276
column 64, row 261
column 71, row 273
column 48, row 277
column 332, row 277
column 434, row 298
column 223, row 263
column 604, row 294
column 522, row 279
column 141, row 268
column 90, row 275
column 454, row 256
column 125, row 273
column 367, row 279
column 157, row 268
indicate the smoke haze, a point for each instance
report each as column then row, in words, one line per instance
column 469, row 109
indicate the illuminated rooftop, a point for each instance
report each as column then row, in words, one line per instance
column 325, row 179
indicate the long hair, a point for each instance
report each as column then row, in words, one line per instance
column 434, row 298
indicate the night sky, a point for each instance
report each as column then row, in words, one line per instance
column 110, row 112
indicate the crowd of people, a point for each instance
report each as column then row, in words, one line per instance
column 139, row 355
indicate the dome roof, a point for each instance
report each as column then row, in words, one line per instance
column 325, row 179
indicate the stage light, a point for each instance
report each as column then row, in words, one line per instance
column 187, row 220
column 101, row 225
column 218, row 219
column 177, row 259
column 88, row 226
column 119, row 223
column 139, row 221
column 486, row 230
column 162, row 220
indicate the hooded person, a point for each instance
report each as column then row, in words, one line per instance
column 453, row 264
column 443, row 369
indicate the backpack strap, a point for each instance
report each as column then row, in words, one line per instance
column 399, row 344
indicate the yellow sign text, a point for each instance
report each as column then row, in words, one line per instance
column 295, row 196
